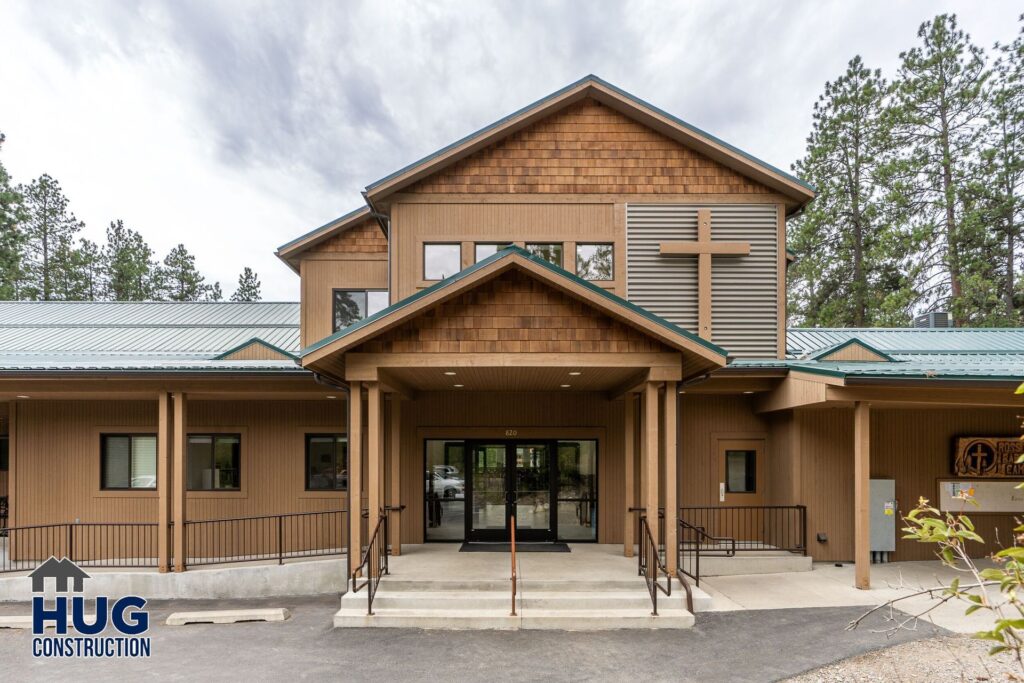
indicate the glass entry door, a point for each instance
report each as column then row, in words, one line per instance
column 509, row 477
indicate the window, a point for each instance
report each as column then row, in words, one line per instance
column 740, row 471
column 326, row 462
column 550, row 252
column 352, row 305
column 595, row 261
column 485, row 249
column 5, row 454
column 441, row 260
column 214, row 462
column 127, row 461
column 577, row 490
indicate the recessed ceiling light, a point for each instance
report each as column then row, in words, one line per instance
column 332, row 397
column 458, row 386
column 566, row 386
column 450, row 373
column 748, row 392
column 576, row 373
column 22, row 396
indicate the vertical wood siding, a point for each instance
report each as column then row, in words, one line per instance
column 702, row 418
column 912, row 446
column 59, row 459
column 320, row 277
column 744, row 296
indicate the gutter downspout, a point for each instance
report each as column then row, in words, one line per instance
column 384, row 221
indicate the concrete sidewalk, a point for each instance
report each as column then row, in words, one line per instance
column 762, row 645
column 829, row 586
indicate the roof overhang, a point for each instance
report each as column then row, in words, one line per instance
column 327, row 356
column 797, row 192
column 290, row 252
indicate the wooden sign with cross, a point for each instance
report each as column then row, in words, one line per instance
column 704, row 249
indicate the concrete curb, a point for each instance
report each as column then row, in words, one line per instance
column 229, row 616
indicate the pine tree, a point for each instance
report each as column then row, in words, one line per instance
column 12, row 240
column 48, row 225
column 850, row 250
column 214, row 292
column 1003, row 172
column 248, row 286
column 130, row 272
column 939, row 104
column 77, row 271
column 180, row 280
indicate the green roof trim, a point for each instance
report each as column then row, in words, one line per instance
column 901, row 370
column 326, row 226
column 619, row 91
column 261, row 342
column 507, row 253
column 852, row 341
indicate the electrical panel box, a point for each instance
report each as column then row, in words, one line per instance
column 883, row 515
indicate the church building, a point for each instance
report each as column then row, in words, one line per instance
column 567, row 327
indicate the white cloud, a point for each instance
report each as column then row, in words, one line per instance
column 235, row 126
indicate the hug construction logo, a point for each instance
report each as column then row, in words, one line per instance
column 126, row 616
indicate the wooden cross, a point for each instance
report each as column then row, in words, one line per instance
column 704, row 248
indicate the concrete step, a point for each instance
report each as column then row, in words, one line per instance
column 754, row 563
column 447, row 619
column 541, row 619
column 591, row 620
column 504, row 585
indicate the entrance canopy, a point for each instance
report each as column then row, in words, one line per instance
column 513, row 322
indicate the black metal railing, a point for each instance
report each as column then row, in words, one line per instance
column 749, row 528
column 266, row 537
column 693, row 541
column 374, row 562
column 650, row 565
column 512, row 552
column 88, row 544
column 4, row 507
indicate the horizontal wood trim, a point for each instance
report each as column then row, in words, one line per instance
column 584, row 198
column 712, row 247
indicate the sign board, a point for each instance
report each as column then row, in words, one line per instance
column 988, row 456
column 992, row 495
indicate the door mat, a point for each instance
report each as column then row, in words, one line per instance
column 520, row 548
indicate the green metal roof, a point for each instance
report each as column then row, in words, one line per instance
column 988, row 354
column 828, row 350
column 507, row 253
column 143, row 336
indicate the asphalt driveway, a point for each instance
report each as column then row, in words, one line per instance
column 761, row 645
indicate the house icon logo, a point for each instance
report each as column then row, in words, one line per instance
column 79, row 634
column 62, row 571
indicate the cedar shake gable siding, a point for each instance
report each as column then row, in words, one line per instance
column 513, row 313
column 588, row 148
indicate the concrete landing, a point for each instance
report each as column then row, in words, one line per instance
column 745, row 564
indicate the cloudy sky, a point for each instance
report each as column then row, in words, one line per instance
column 236, row 126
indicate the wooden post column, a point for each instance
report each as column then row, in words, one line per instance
column 629, row 478
column 355, row 474
column 395, row 523
column 164, row 478
column 862, row 493
column 671, row 480
column 650, row 456
column 179, row 438
column 374, row 454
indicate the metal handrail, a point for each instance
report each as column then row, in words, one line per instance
column 374, row 561
column 265, row 537
column 765, row 528
column 89, row 544
column 515, row 586
column 650, row 565
column 701, row 536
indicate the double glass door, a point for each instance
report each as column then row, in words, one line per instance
column 509, row 478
